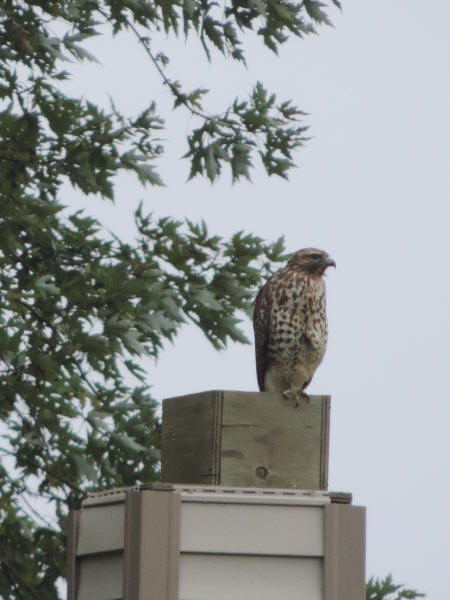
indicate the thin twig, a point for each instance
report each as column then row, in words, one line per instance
column 38, row 515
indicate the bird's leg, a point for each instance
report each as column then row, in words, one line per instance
column 301, row 398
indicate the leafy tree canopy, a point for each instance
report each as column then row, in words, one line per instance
column 386, row 589
column 78, row 307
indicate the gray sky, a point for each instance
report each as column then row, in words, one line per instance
column 372, row 188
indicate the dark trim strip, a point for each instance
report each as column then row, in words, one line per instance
column 344, row 552
column 72, row 541
column 152, row 545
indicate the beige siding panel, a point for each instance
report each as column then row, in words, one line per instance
column 252, row 529
column 101, row 529
column 222, row 577
column 100, row 577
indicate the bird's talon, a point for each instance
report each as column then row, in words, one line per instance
column 301, row 398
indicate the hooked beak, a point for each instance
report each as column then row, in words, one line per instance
column 330, row 262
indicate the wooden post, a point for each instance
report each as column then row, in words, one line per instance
column 225, row 538
column 245, row 439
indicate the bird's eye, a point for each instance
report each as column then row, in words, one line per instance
column 315, row 256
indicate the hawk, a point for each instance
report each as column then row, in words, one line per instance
column 290, row 324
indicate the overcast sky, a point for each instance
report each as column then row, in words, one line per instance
column 372, row 189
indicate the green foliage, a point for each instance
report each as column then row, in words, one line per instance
column 48, row 132
column 76, row 312
column 210, row 145
column 386, row 589
column 79, row 308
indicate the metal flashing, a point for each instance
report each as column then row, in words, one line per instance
column 211, row 493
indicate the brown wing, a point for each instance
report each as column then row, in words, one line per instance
column 261, row 327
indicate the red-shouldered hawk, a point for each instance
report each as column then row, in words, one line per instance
column 290, row 324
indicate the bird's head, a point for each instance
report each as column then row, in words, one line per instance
column 311, row 260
